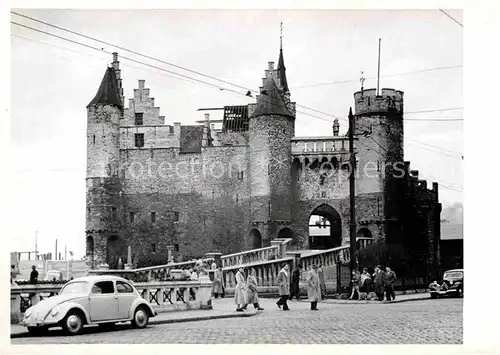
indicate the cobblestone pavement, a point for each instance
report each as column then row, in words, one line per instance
column 417, row 322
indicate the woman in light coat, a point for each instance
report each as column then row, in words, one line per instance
column 253, row 296
column 313, row 287
column 240, row 291
column 217, row 284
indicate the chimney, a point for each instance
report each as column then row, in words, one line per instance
column 141, row 84
column 270, row 65
column 207, row 117
column 336, row 127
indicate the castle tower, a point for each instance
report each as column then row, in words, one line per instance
column 379, row 130
column 271, row 127
column 103, row 182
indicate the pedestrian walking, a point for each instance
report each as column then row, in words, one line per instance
column 284, row 287
column 253, row 296
column 313, row 287
column 389, row 280
column 322, row 282
column 365, row 281
column 217, row 283
column 295, row 285
column 240, row 291
column 378, row 279
column 355, row 279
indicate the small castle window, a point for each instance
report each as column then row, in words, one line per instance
column 176, row 216
column 131, row 216
column 323, row 194
column 153, row 217
column 153, row 247
column 237, row 197
column 93, row 139
column 114, row 213
column 139, row 140
column 88, row 213
column 240, row 175
column 176, row 247
column 171, row 129
column 139, row 118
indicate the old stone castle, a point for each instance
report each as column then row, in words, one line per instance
column 158, row 186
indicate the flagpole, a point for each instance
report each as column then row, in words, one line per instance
column 378, row 71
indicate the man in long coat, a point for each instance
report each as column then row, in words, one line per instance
column 283, row 287
column 217, row 283
column 378, row 280
column 313, row 287
column 240, row 291
column 389, row 280
column 294, row 286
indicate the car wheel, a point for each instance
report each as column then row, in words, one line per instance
column 37, row 330
column 434, row 295
column 72, row 324
column 141, row 317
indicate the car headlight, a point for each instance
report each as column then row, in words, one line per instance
column 54, row 311
column 27, row 313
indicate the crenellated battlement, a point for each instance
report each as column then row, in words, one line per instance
column 389, row 100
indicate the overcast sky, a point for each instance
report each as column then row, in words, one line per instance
column 52, row 82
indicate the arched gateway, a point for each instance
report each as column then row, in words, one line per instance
column 325, row 229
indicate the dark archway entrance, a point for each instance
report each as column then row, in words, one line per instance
column 285, row 233
column 364, row 233
column 256, row 239
column 115, row 249
column 325, row 229
column 89, row 252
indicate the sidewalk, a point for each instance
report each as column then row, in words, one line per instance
column 399, row 299
column 222, row 308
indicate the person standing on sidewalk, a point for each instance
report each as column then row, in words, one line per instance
column 355, row 283
column 365, row 281
column 253, row 296
column 322, row 282
column 313, row 287
column 389, row 280
column 294, row 287
column 378, row 279
column 284, row 287
column 240, row 291
column 217, row 284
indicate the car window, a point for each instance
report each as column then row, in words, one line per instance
column 75, row 287
column 103, row 287
column 123, row 287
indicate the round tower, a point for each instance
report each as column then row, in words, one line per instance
column 103, row 183
column 380, row 152
column 271, row 127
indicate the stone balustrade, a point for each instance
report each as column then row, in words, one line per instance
column 266, row 272
column 151, row 273
column 163, row 296
column 249, row 256
column 318, row 145
column 277, row 250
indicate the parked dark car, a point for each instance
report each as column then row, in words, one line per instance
column 452, row 284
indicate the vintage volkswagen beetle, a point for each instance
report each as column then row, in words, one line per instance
column 90, row 300
column 452, row 284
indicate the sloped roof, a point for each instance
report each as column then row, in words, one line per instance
column 108, row 92
column 270, row 101
column 281, row 72
column 452, row 231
